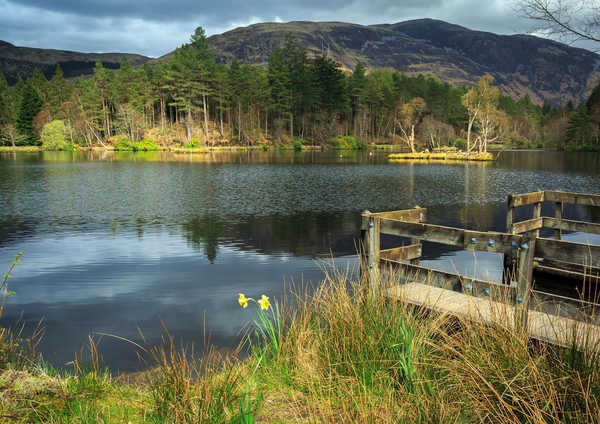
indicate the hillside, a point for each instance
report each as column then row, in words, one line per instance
column 18, row 62
column 521, row 64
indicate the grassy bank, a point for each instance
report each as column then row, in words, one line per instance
column 339, row 355
column 442, row 156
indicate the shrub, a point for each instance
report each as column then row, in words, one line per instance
column 297, row 143
column 460, row 143
column 348, row 143
column 146, row 145
column 54, row 135
column 193, row 143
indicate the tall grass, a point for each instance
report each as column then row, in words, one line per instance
column 342, row 353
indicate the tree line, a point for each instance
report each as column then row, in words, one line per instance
column 192, row 99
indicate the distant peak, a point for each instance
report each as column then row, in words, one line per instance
column 5, row 44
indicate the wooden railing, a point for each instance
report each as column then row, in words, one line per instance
column 520, row 245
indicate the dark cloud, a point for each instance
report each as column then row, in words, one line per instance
column 154, row 27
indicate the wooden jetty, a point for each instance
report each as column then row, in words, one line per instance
column 527, row 256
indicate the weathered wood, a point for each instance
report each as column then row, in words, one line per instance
column 516, row 200
column 561, row 272
column 567, row 251
column 524, row 280
column 541, row 326
column 415, row 261
column 569, row 266
column 558, row 215
column 508, row 267
column 537, row 213
column 373, row 250
column 473, row 286
column 472, row 240
column 526, row 226
column 569, row 225
column 416, row 214
column 403, row 253
column 573, row 198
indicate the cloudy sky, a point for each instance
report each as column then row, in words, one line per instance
column 153, row 27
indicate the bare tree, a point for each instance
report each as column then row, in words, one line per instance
column 409, row 116
column 481, row 103
column 569, row 20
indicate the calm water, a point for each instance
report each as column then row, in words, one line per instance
column 117, row 241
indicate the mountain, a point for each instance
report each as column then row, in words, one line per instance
column 521, row 64
column 18, row 62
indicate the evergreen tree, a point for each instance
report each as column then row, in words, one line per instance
column 7, row 108
column 30, row 106
column 59, row 91
column 40, row 84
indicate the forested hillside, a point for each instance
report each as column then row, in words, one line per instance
column 191, row 100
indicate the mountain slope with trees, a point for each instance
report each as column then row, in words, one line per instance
column 520, row 64
column 20, row 62
column 194, row 99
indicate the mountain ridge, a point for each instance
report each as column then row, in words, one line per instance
column 521, row 64
column 20, row 62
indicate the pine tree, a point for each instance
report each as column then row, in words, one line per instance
column 30, row 106
column 59, row 91
column 190, row 77
column 7, row 108
column 40, row 84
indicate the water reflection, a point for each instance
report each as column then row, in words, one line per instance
column 116, row 240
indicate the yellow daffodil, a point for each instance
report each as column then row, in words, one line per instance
column 243, row 300
column 264, row 302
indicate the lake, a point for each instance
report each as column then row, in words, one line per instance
column 117, row 241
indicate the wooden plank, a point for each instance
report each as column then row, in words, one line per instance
column 453, row 281
column 416, row 214
column 573, row 198
column 560, row 272
column 541, row 326
column 569, row 225
column 526, row 199
column 472, row 240
column 569, row 266
column 566, row 251
column 526, row 226
column 412, row 251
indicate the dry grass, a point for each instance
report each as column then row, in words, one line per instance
column 341, row 354
column 442, row 156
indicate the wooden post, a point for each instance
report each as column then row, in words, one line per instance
column 373, row 247
column 524, row 283
column 509, row 258
column 416, row 240
column 558, row 214
column 537, row 212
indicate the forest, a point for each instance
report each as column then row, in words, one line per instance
column 191, row 100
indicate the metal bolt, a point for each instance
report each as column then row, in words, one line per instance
column 491, row 243
column 370, row 265
column 487, row 292
column 520, row 299
column 473, row 240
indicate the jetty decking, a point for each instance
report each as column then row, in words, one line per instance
column 526, row 255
